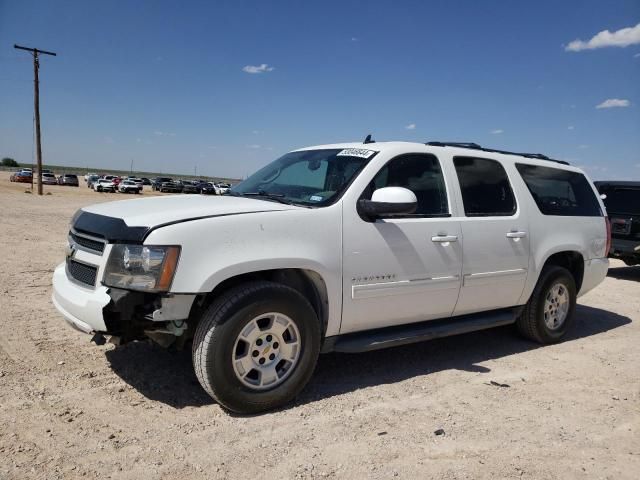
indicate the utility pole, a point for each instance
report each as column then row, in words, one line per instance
column 131, row 170
column 36, row 105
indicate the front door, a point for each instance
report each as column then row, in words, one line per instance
column 402, row 270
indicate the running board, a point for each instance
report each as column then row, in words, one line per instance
column 418, row 332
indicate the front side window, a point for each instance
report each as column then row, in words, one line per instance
column 485, row 187
column 419, row 173
column 560, row 192
column 311, row 177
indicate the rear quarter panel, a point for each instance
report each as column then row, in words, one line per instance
column 550, row 234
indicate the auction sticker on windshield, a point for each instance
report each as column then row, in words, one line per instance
column 355, row 152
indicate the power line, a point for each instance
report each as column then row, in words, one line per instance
column 36, row 105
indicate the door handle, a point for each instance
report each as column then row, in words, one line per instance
column 444, row 238
column 516, row 234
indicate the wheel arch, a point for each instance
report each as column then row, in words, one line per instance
column 307, row 282
column 572, row 260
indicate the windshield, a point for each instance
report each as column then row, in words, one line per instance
column 310, row 177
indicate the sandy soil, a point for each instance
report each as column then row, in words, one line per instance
column 70, row 409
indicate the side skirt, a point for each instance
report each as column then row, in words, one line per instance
column 379, row 338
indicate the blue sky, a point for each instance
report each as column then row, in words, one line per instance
column 166, row 83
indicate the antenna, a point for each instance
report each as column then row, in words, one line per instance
column 368, row 140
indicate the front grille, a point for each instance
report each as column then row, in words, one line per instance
column 82, row 273
column 94, row 245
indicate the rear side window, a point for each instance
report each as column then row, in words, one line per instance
column 421, row 174
column 560, row 192
column 485, row 187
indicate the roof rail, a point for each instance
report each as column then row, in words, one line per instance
column 475, row 146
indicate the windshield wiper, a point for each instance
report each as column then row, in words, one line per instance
column 278, row 197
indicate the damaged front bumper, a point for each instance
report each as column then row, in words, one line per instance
column 125, row 314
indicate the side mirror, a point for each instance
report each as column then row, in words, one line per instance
column 387, row 202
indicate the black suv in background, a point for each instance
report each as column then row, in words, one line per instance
column 622, row 200
column 165, row 184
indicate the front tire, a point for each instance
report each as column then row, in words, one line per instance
column 550, row 312
column 256, row 347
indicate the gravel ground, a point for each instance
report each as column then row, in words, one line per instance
column 70, row 409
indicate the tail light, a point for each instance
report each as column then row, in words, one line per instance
column 608, row 247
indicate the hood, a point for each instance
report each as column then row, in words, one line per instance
column 133, row 220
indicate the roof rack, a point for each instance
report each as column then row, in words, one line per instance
column 475, row 146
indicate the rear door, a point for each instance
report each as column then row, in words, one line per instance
column 496, row 237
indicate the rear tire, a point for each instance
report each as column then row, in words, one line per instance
column 550, row 312
column 238, row 373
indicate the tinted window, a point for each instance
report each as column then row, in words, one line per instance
column 622, row 200
column 560, row 192
column 485, row 187
column 422, row 175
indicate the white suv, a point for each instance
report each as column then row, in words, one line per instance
column 347, row 248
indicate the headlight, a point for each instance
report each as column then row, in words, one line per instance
column 141, row 267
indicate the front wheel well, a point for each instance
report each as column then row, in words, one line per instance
column 572, row 261
column 309, row 283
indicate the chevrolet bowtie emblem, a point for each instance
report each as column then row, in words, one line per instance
column 70, row 250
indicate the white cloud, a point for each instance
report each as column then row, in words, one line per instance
column 613, row 103
column 637, row 55
column 620, row 38
column 254, row 146
column 497, row 131
column 355, row 39
column 255, row 132
column 262, row 68
column 570, row 127
column 583, row 146
column 158, row 133
column 411, row 126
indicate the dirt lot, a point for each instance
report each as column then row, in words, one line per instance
column 70, row 409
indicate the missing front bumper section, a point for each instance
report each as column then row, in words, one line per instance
column 138, row 315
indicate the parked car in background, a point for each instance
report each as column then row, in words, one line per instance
column 209, row 188
column 223, row 188
column 171, row 187
column 21, row 177
column 112, row 178
column 138, row 182
column 622, row 200
column 129, row 186
column 145, row 181
column 158, row 181
column 49, row 179
column 68, row 179
column 92, row 174
column 91, row 179
column 104, row 185
column 194, row 186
